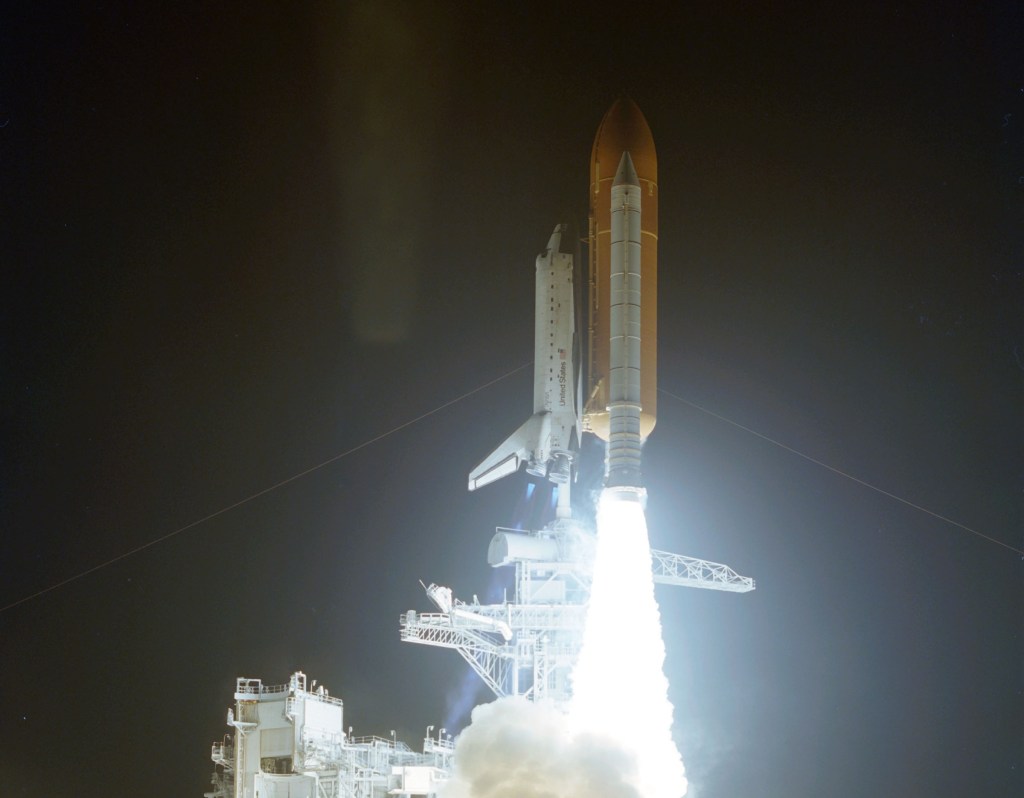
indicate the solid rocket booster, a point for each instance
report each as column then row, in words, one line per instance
column 622, row 129
column 624, row 356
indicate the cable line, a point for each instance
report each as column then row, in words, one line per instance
column 263, row 492
column 841, row 472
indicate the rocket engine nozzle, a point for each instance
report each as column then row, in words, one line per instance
column 625, row 493
column 560, row 468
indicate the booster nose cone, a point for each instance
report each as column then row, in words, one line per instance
column 626, row 174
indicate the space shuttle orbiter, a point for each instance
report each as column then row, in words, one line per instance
column 548, row 441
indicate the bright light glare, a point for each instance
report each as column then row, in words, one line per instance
column 619, row 685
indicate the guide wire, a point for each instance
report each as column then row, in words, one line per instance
column 842, row 473
column 263, row 492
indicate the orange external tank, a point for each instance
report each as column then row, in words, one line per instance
column 622, row 129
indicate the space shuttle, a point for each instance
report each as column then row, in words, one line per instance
column 602, row 378
column 547, row 443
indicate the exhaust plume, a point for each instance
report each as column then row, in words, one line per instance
column 615, row 741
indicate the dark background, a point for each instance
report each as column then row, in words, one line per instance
column 238, row 241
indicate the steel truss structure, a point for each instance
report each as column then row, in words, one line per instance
column 527, row 646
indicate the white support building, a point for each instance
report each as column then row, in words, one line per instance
column 290, row 742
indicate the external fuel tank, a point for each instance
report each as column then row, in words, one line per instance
column 623, row 129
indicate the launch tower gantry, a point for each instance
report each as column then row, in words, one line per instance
column 527, row 646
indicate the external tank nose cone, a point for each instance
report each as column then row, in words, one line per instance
column 624, row 128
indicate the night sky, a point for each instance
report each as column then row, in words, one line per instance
column 238, row 241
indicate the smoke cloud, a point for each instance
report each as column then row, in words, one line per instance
column 516, row 749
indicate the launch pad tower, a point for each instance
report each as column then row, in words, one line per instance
column 526, row 646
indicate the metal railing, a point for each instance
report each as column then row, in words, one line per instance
column 255, row 687
column 223, row 754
